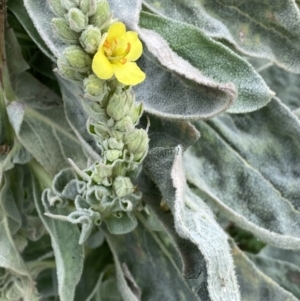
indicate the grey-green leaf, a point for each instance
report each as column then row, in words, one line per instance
column 254, row 284
column 247, row 166
column 291, row 256
column 18, row 9
column 194, row 221
column 41, row 16
column 286, row 85
column 38, row 116
column 10, row 257
column 267, row 29
column 174, row 96
column 215, row 61
column 286, row 274
column 69, row 255
column 126, row 11
column 77, row 116
column 156, row 273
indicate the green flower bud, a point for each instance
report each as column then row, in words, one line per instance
column 137, row 143
column 101, row 171
column 77, row 20
column 77, row 58
column 136, row 113
column 68, row 4
column 120, row 105
column 61, row 27
column 115, row 144
column 88, row 7
column 90, row 39
column 123, row 186
column 124, row 125
column 66, row 70
column 95, row 86
column 102, row 14
column 57, row 7
column 100, row 129
column 113, row 154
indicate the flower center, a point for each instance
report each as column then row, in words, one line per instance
column 115, row 52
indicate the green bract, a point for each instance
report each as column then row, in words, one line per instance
column 183, row 187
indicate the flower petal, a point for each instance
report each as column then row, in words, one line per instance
column 136, row 48
column 129, row 73
column 102, row 66
column 116, row 30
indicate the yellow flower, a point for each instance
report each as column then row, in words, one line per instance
column 116, row 55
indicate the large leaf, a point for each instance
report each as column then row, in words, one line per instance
column 194, row 221
column 156, row 273
column 262, row 28
column 285, row 84
column 247, row 166
column 254, row 284
column 94, row 264
column 284, row 273
column 77, row 116
column 10, row 220
column 214, row 61
column 41, row 16
column 18, row 9
column 38, row 116
column 180, row 96
column 126, row 11
column 69, row 255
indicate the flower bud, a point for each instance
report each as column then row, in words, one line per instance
column 68, row 4
column 115, row 144
column 95, row 86
column 57, row 7
column 61, row 27
column 137, row 143
column 124, row 125
column 101, row 171
column 77, row 58
column 77, row 20
column 66, row 70
column 90, row 39
column 120, row 105
column 88, row 7
column 123, row 186
column 113, row 154
column 101, row 15
column 136, row 113
column 100, row 129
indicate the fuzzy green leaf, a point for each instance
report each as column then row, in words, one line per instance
column 10, row 257
column 287, row 275
column 254, row 284
column 215, row 61
column 247, row 166
column 18, row 9
column 267, row 29
column 41, row 16
column 291, row 256
column 94, row 264
column 38, row 116
column 156, row 273
column 14, row 57
column 126, row 11
column 69, row 255
column 177, row 97
column 192, row 219
column 285, row 84
column 77, row 116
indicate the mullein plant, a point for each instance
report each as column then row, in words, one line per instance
column 163, row 139
column 100, row 58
